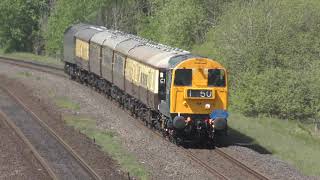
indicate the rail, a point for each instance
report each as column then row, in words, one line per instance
column 257, row 174
column 20, row 135
column 51, row 69
column 90, row 172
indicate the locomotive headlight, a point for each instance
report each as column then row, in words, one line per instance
column 207, row 106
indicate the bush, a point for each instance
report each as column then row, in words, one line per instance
column 178, row 23
column 283, row 93
column 269, row 48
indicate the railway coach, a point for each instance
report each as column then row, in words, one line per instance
column 182, row 95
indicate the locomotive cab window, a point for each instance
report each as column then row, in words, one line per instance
column 183, row 77
column 216, row 77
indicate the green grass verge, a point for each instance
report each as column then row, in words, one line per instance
column 110, row 143
column 288, row 140
column 65, row 103
column 25, row 74
column 31, row 57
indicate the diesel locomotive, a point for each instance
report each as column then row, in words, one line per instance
column 184, row 96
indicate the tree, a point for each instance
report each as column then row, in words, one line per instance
column 66, row 13
column 19, row 23
column 178, row 23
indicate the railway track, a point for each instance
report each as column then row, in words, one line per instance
column 240, row 164
column 60, row 161
column 27, row 145
column 213, row 171
column 190, row 154
column 210, row 168
column 60, row 72
column 51, row 69
column 20, row 135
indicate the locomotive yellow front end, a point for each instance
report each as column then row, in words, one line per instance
column 199, row 98
column 199, row 86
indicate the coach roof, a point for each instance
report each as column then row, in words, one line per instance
column 101, row 37
column 87, row 33
column 140, row 49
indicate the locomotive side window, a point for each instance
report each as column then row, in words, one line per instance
column 216, row 77
column 183, row 77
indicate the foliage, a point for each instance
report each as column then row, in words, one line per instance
column 66, row 13
column 276, row 92
column 123, row 14
column 19, row 23
column 269, row 47
column 178, row 23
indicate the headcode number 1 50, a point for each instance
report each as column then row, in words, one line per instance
column 200, row 93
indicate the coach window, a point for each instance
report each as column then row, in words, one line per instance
column 216, row 77
column 118, row 64
column 183, row 77
column 107, row 56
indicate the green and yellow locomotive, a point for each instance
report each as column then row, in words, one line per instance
column 182, row 95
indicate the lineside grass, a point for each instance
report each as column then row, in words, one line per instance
column 25, row 74
column 287, row 140
column 108, row 140
column 110, row 143
column 65, row 103
column 31, row 57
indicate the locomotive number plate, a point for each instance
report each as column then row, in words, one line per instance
column 199, row 93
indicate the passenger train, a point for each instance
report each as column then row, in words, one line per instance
column 182, row 95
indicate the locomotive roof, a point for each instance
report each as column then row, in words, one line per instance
column 143, row 50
